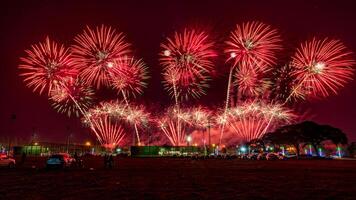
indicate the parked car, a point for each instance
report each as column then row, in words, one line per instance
column 6, row 161
column 61, row 160
column 261, row 156
column 252, row 156
column 274, row 156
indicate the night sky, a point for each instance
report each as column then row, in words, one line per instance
column 146, row 24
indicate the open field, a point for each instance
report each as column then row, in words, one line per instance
column 174, row 178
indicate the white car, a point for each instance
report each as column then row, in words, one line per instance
column 6, row 161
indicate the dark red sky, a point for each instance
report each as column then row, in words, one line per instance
column 146, row 23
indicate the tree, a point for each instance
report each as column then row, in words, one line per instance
column 289, row 134
column 333, row 134
column 306, row 132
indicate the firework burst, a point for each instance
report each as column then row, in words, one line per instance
column 198, row 117
column 251, row 82
column 322, row 67
column 254, row 43
column 109, row 133
column 130, row 76
column 45, row 65
column 71, row 97
column 122, row 112
column 252, row 120
column 173, row 125
column 183, row 86
column 187, row 62
column 95, row 53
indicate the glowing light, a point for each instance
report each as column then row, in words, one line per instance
column 320, row 152
column 233, row 55
column 339, row 152
column 283, row 151
column 189, row 138
column 167, row 52
column 310, row 150
column 110, row 64
column 319, row 67
column 87, row 143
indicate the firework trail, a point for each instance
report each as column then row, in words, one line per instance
column 45, row 65
column 321, row 68
column 95, row 53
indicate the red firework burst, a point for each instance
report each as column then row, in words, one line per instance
column 322, row 67
column 251, row 82
column 109, row 133
column 71, row 97
column 173, row 125
column 182, row 85
column 95, row 53
column 254, row 43
column 190, row 51
column 252, row 120
column 129, row 76
column 46, row 64
column 187, row 59
column 122, row 113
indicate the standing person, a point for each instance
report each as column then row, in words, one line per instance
column 111, row 161
column 106, row 160
column 76, row 159
column 23, row 158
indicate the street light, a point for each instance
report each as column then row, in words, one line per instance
column 189, row 139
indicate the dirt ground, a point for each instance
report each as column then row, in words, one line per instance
column 174, row 178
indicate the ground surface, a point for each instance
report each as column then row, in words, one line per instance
column 147, row 178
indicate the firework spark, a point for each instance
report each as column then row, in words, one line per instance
column 322, row 67
column 45, row 65
column 96, row 52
